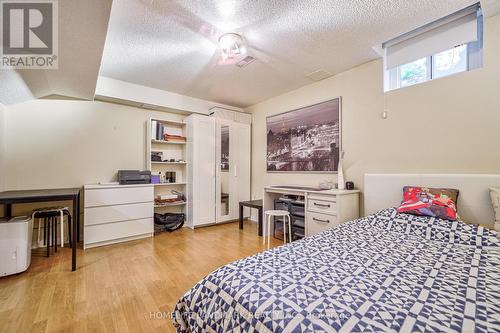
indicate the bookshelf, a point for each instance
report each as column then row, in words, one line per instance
column 173, row 204
column 169, row 150
column 163, row 142
column 174, row 163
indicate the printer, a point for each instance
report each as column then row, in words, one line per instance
column 129, row 177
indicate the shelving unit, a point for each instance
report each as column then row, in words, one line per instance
column 168, row 163
column 169, row 184
column 173, row 204
column 170, row 150
column 174, row 123
column 163, row 142
column 296, row 208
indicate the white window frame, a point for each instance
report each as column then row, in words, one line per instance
column 392, row 76
column 474, row 60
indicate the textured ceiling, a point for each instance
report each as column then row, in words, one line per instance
column 82, row 34
column 171, row 45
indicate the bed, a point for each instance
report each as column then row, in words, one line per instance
column 387, row 272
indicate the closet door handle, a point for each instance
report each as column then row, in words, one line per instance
column 321, row 221
column 236, row 170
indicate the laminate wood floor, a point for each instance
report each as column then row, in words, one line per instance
column 120, row 288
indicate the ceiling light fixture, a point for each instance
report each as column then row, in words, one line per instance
column 231, row 45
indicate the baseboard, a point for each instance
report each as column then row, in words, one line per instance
column 219, row 223
column 116, row 241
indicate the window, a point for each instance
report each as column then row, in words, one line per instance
column 448, row 46
column 413, row 73
column 449, row 62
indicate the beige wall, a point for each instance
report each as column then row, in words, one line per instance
column 446, row 126
column 64, row 143
column 2, row 154
column 69, row 143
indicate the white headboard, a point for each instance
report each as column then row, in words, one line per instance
column 474, row 203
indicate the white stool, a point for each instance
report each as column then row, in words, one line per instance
column 286, row 219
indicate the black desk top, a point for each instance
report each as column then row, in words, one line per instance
column 252, row 203
column 38, row 194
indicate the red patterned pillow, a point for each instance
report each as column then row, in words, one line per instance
column 438, row 203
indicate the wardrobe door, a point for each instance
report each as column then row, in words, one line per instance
column 242, row 166
column 225, row 152
column 201, row 170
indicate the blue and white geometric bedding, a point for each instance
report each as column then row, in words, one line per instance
column 387, row 272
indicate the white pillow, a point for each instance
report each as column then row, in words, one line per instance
column 495, row 200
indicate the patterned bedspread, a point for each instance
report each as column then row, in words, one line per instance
column 387, row 272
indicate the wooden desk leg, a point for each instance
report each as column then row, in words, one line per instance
column 241, row 216
column 76, row 220
column 260, row 221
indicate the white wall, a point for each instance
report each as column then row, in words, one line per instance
column 444, row 126
column 65, row 143
column 2, row 153
column 112, row 89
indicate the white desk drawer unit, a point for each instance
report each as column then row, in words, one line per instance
column 320, row 222
column 325, row 211
column 117, row 213
column 322, row 206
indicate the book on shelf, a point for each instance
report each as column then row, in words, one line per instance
column 157, row 130
column 168, row 202
column 160, row 132
column 168, row 197
column 177, row 138
column 154, row 125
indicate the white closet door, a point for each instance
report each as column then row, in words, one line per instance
column 242, row 165
column 201, row 170
column 225, row 167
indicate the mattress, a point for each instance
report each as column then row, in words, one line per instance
column 387, row 272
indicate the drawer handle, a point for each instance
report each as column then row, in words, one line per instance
column 321, row 205
column 321, row 221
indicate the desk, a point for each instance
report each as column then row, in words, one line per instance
column 324, row 209
column 257, row 204
column 9, row 198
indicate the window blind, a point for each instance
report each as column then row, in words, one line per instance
column 444, row 34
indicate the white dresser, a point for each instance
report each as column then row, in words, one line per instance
column 117, row 213
column 323, row 209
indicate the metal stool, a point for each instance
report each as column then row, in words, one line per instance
column 286, row 218
column 50, row 232
column 49, row 216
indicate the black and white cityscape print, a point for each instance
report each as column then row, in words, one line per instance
column 306, row 139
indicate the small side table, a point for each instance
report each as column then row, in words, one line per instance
column 257, row 204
